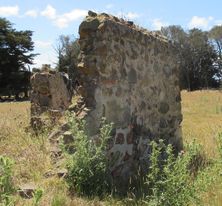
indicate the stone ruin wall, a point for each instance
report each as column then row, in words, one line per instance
column 126, row 74
column 51, row 96
column 130, row 76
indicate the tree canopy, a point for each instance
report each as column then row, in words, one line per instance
column 15, row 53
column 215, row 35
column 68, row 50
column 197, row 56
column 15, row 48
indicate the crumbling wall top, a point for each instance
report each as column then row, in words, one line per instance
column 96, row 21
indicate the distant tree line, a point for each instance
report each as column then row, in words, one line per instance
column 199, row 55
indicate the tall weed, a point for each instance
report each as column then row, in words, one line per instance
column 88, row 167
column 170, row 180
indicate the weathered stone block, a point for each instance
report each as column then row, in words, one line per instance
column 120, row 138
column 163, row 107
column 51, row 96
column 68, row 138
column 27, row 190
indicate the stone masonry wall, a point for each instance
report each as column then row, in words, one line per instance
column 129, row 76
column 51, row 96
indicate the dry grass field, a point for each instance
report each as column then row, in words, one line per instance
column 31, row 156
column 202, row 120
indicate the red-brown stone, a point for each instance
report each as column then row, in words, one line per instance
column 126, row 157
column 117, row 171
column 129, row 138
column 120, row 138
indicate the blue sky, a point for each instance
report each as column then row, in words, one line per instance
column 51, row 18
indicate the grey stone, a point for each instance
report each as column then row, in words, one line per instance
column 156, row 67
column 53, row 136
column 163, row 107
column 91, row 13
column 51, row 96
column 89, row 24
column 132, row 76
column 44, row 100
column 62, row 172
column 163, row 123
column 55, row 151
column 65, row 127
column 171, row 122
column 68, row 137
column 167, row 70
column 179, row 118
column 178, row 98
column 130, row 23
column 49, row 174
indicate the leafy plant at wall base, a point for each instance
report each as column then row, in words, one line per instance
column 88, row 168
column 170, row 180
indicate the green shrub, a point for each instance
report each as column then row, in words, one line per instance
column 170, row 180
column 6, row 185
column 88, row 167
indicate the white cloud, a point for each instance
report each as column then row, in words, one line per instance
column 9, row 11
column 65, row 19
column 49, row 12
column 44, row 58
column 43, row 44
column 132, row 15
column 129, row 15
column 200, row 22
column 109, row 6
column 218, row 22
column 157, row 24
column 31, row 13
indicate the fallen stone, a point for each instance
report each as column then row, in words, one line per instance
column 27, row 190
column 70, row 149
column 68, row 137
column 55, row 151
column 65, row 127
column 62, row 172
column 49, row 174
column 53, row 137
